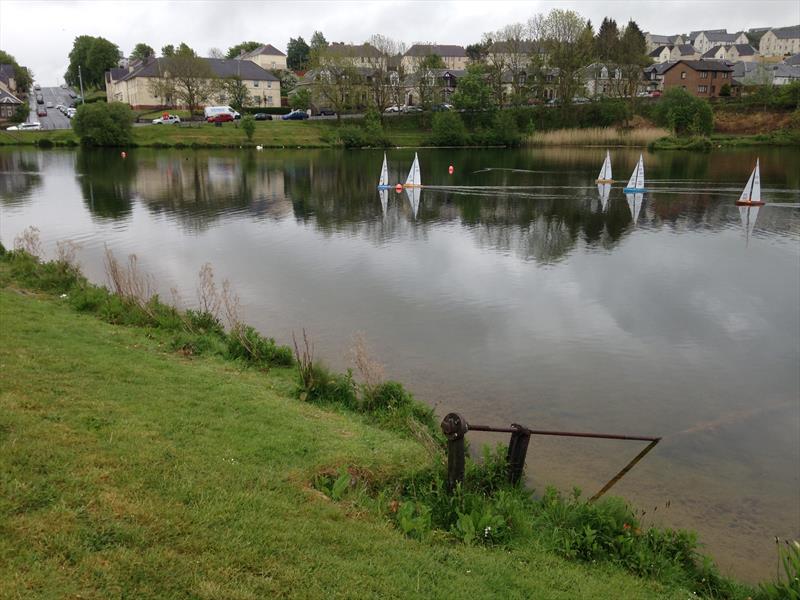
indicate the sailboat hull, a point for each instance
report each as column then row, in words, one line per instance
column 749, row 203
column 385, row 187
column 634, row 190
column 605, row 181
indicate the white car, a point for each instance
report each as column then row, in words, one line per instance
column 392, row 109
column 35, row 126
column 71, row 112
column 168, row 120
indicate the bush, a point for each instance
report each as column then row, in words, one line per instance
column 245, row 343
column 20, row 114
column 684, row 114
column 104, row 124
column 448, row 130
column 249, row 126
column 504, row 130
column 369, row 134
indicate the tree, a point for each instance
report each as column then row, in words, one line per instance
column 476, row 52
column 168, row 51
column 104, row 124
column 288, row 81
column 297, row 54
column 236, row 91
column 424, row 72
column 632, row 58
column 22, row 76
column 684, row 114
column 568, row 40
column 508, row 56
column 142, row 51
column 473, row 94
column 381, row 93
column 300, row 100
column 336, row 82
column 606, row 42
column 193, row 80
column 316, row 47
column 249, row 126
column 241, row 48
column 215, row 53
column 94, row 56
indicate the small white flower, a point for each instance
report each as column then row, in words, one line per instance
column 487, row 532
column 63, row 296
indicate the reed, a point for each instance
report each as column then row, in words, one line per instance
column 598, row 136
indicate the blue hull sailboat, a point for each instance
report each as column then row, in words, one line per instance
column 636, row 182
column 383, row 182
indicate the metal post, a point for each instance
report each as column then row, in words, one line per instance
column 517, row 450
column 80, row 78
column 454, row 427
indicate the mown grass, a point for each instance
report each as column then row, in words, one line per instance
column 129, row 470
column 598, row 136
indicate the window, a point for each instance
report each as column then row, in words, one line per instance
column 683, row 74
column 269, row 100
column 269, row 85
column 702, row 89
column 255, row 83
column 714, row 75
column 725, row 75
column 704, row 75
column 273, row 64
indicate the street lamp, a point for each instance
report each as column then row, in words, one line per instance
column 80, row 78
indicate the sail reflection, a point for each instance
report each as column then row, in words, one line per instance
column 748, row 215
column 634, row 205
column 603, row 190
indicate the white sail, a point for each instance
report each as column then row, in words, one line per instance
column 752, row 191
column 635, row 205
column 414, row 194
column 748, row 215
column 636, row 182
column 414, row 176
column 603, row 190
column 605, row 170
column 384, row 172
column 384, row 194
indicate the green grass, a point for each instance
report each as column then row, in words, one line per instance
column 127, row 470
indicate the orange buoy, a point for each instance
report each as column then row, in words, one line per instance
column 398, row 188
column 124, row 155
column 450, row 169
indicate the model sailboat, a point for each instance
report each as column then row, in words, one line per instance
column 603, row 190
column 636, row 182
column 605, row 170
column 751, row 195
column 414, row 176
column 383, row 183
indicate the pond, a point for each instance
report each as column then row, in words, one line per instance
column 510, row 291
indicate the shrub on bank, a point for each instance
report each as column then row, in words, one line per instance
column 448, row 130
column 684, row 113
column 104, row 124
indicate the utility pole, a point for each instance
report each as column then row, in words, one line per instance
column 80, row 78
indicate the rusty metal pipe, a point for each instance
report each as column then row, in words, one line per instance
column 605, row 436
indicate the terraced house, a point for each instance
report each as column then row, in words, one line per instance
column 454, row 57
column 703, row 41
column 138, row 84
column 780, row 41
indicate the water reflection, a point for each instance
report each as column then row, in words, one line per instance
column 107, row 182
column 19, row 176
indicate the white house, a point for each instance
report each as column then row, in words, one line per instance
column 703, row 41
column 780, row 41
column 267, row 57
column 654, row 40
column 454, row 57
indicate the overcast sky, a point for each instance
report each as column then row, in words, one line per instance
column 40, row 33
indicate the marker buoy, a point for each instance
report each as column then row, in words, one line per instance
column 450, row 169
column 398, row 188
column 124, row 154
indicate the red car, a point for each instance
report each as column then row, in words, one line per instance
column 41, row 112
column 220, row 118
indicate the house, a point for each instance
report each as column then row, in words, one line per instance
column 716, row 53
column 683, row 52
column 654, row 41
column 783, row 74
column 704, row 41
column 134, row 85
column 267, row 57
column 363, row 55
column 654, row 76
column 701, row 78
column 514, row 54
column 780, row 41
column 454, row 57
column 7, row 81
column 8, row 104
column 793, row 60
column 441, row 84
column 732, row 53
column 661, row 54
column 602, row 80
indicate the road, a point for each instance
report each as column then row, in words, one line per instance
column 54, row 119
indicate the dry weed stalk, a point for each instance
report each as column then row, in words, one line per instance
column 28, row 241
column 128, row 281
column 305, row 360
column 232, row 306
column 372, row 372
column 67, row 253
column 207, row 295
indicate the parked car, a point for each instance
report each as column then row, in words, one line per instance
column 168, row 120
column 655, row 94
column 441, row 107
column 35, row 126
column 36, row 86
column 62, row 108
column 220, row 118
column 41, row 111
column 295, row 115
column 392, row 109
column 327, row 112
column 71, row 112
column 39, row 99
column 262, row 117
column 210, row 111
column 49, row 105
column 412, row 109
column 580, row 100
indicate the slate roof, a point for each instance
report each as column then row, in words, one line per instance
column 221, row 67
column 725, row 38
column 506, row 47
column 268, row 49
column 686, row 49
column 655, row 53
column 790, row 71
column 6, row 98
column 115, row 74
column 793, row 60
column 363, row 50
column 694, row 34
column 745, row 49
column 711, row 53
column 6, row 73
column 439, row 50
column 786, row 33
column 703, row 65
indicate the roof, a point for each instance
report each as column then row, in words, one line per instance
column 428, row 49
column 725, row 38
column 694, row 34
column 115, row 73
column 786, row 33
column 745, row 49
column 524, row 46
column 713, row 52
column 664, row 40
column 6, row 98
column 655, row 53
column 793, row 60
column 264, row 49
column 789, row 71
column 660, row 67
column 703, row 65
column 686, row 49
column 438, row 74
column 363, row 50
column 221, row 67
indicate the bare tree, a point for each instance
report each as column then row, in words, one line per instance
column 382, row 64
column 215, row 53
column 194, row 81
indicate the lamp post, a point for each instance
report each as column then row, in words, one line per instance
column 80, row 78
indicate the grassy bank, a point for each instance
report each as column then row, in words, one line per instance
column 130, row 469
column 775, row 138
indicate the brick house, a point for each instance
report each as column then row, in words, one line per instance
column 701, row 78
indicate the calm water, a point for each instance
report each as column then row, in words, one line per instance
column 512, row 295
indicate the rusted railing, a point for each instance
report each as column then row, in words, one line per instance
column 455, row 428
